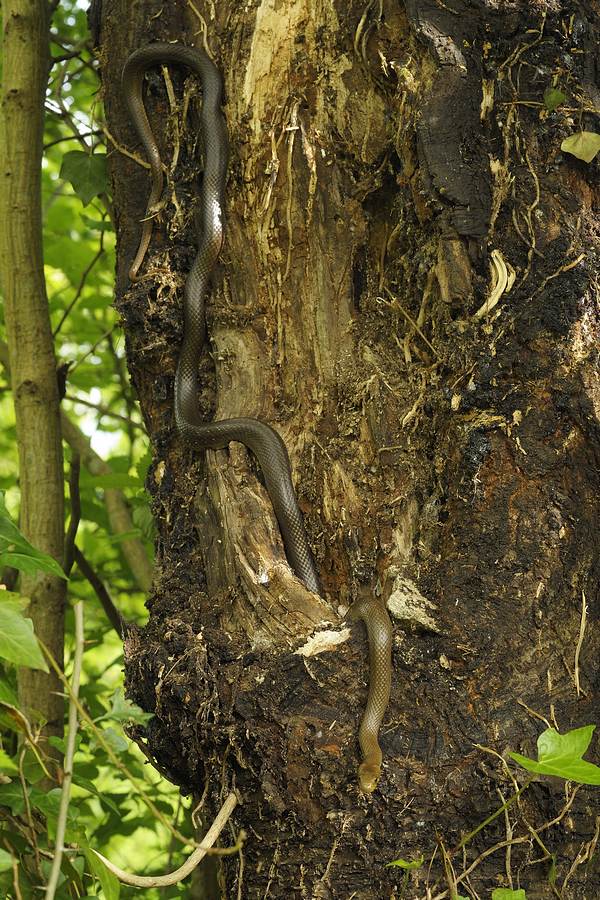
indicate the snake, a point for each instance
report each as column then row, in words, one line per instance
column 259, row 437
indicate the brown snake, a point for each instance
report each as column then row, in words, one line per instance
column 259, row 437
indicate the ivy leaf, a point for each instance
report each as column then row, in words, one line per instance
column 407, row 864
column 553, row 98
column 109, row 882
column 7, row 765
column 6, row 862
column 86, row 172
column 11, row 795
column 18, row 643
column 16, row 551
column 508, row 894
column 561, row 755
column 123, row 710
column 584, row 145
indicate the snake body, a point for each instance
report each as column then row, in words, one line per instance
column 260, row 438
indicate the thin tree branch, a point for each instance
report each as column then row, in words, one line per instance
column 81, row 285
column 104, row 411
column 75, row 513
column 112, row 613
column 69, row 137
column 94, row 347
column 61, row 822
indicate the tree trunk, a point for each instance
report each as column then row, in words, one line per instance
column 30, row 345
column 392, row 168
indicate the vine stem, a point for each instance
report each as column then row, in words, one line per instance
column 192, row 861
column 69, row 754
column 494, row 815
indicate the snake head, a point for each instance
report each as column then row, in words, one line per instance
column 368, row 776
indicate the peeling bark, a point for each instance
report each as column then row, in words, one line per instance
column 443, row 428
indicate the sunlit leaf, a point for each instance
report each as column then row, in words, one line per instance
column 109, row 882
column 18, row 643
column 16, row 551
column 7, row 765
column 560, row 755
column 86, row 172
column 584, row 145
column 407, row 864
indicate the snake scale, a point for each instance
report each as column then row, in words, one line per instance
column 260, row 438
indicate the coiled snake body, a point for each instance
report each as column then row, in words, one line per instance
column 259, row 437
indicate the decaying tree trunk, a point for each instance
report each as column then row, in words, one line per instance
column 409, row 294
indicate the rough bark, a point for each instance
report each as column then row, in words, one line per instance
column 31, row 354
column 386, row 174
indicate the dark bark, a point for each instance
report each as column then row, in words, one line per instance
column 444, row 455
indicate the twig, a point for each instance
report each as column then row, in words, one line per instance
column 28, row 816
column 397, row 305
column 75, row 513
column 81, row 285
column 104, row 410
column 61, row 822
column 92, row 348
column 124, row 150
column 69, row 137
column 16, row 884
column 491, row 818
column 112, row 613
column 183, row 871
column 582, row 625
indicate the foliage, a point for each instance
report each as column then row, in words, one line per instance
column 16, row 551
column 561, row 755
column 584, row 145
column 107, row 811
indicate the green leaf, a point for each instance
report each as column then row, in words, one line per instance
column 7, row 695
column 30, row 564
column 584, row 145
column 48, row 802
column 553, row 98
column 114, row 480
column 86, row 172
column 560, row 755
column 115, row 741
column 6, row 763
column 5, row 861
column 89, row 786
column 407, row 864
column 16, row 551
column 18, row 643
column 123, row 710
column 109, row 882
column 11, row 795
column 508, row 894
column 97, row 224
